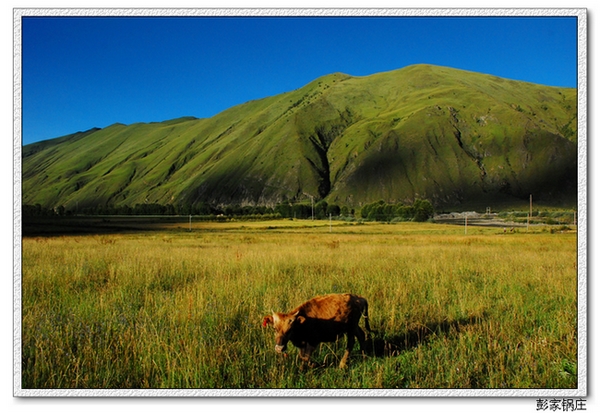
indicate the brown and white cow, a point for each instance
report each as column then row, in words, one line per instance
column 321, row 319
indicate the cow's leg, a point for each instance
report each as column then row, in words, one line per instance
column 350, row 344
column 360, row 335
column 305, row 353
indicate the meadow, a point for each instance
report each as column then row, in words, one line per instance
column 174, row 308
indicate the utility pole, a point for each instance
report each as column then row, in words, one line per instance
column 190, row 222
column 312, row 203
column 329, row 222
column 466, row 223
column 530, row 211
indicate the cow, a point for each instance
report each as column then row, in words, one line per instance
column 319, row 320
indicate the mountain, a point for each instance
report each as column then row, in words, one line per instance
column 454, row 137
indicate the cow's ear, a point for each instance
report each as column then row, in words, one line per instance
column 267, row 320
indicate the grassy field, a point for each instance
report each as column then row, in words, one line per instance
column 174, row 308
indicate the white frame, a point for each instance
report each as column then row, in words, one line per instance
column 581, row 390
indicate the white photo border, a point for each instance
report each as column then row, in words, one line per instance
column 582, row 235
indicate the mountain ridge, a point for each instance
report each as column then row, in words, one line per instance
column 422, row 131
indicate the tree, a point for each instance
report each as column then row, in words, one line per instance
column 285, row 210
column 423, row 210
column 333, row 210
column 321, row 209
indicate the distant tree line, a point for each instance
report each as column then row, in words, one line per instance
column 148, row 209
column 420, row 210
column 320, row 210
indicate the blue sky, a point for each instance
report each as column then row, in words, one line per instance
column 85, row 72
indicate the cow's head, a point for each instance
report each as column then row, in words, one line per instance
column 284, row 325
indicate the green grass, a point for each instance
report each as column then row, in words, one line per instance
column 180, row 309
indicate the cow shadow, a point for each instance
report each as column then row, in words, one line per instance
column 381, row 343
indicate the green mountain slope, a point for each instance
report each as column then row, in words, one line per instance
column 447, row 135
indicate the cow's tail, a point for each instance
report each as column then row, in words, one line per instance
column 365, row 315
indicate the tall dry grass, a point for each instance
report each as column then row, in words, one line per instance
column 179, row 309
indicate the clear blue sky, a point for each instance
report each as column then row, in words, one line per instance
column 85, row 72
